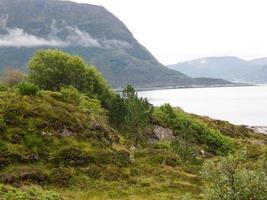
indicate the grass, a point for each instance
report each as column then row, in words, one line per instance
column 54, row 148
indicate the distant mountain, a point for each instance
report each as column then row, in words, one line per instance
column 86, row 30
column 229, row 68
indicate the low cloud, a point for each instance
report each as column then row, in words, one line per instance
column 81, row 38
column 18, row 38
column 113, row 44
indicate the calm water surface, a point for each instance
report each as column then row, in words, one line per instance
column 238, row 105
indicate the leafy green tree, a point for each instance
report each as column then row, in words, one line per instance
column 230, row 179
column 53, row 69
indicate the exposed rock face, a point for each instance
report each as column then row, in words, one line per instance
column 160, row 133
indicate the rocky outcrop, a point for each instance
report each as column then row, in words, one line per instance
column 161, row 133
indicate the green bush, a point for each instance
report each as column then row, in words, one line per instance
column 61, row 176
column 53, row 69
column 70, row 94
column 75, row 157
column 229, row 178
column 131, row 113
column 27, row 88
column 3, row 87
column 27, row 193
column 192, row 130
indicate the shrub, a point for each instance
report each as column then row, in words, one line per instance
column 29, row 192
column 61, row 176
column 3, row 87
column 131, row 112
column 190, row 129
column 228, row 178
column 53, row 69
column 73, row 157
column 27, row 88
column 70, row 94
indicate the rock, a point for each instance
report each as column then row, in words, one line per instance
column 160, row 133
column 66, row 132
column 97, row 127
column 131, row 158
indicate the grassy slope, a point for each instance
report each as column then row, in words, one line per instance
column 69, row 147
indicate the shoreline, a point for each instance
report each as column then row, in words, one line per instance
column 259, row 129
column 188, row 87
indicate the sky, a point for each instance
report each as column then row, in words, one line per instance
column 179, row 30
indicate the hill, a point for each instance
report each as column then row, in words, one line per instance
column 229, row 68
column 89, row 31
column 65, row 139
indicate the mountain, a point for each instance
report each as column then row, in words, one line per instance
column 229, row 68
column 86, row 30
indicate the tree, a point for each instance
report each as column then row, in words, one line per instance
column 130, row 112
column 53, row 69
column 139, row 110
column 230, row 179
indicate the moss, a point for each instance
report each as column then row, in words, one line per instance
column 93, row 171
column 61, row 176
column 71, row 156
column 28, row 193
column 23, row 175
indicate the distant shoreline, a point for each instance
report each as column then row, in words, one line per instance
column 190, row 87
column 259, row 129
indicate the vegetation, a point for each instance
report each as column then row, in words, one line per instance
column 131, row 113
column 52, row 69
column 71, row 137
column 232, row 178
column 26, row 88
column 30, row 193
column 11, row 77
column 190, row 129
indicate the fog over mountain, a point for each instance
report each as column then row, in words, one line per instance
column 229, row 68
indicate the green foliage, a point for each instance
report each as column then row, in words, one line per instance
column 192, row 130
column 130, row 112
column 27, row 193
column 72, row 157
column 52, row 70
column 27, row 88
column 139, row 110
column 229, row 178
column 3, row 87
column 188, row 151
column 70, row 94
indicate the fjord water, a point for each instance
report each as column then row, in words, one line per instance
column 238, row 105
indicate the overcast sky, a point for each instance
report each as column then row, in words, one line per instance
column 179, row 30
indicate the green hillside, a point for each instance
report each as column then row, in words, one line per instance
column 77, row 139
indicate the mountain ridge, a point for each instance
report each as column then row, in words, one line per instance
column 230, row 68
